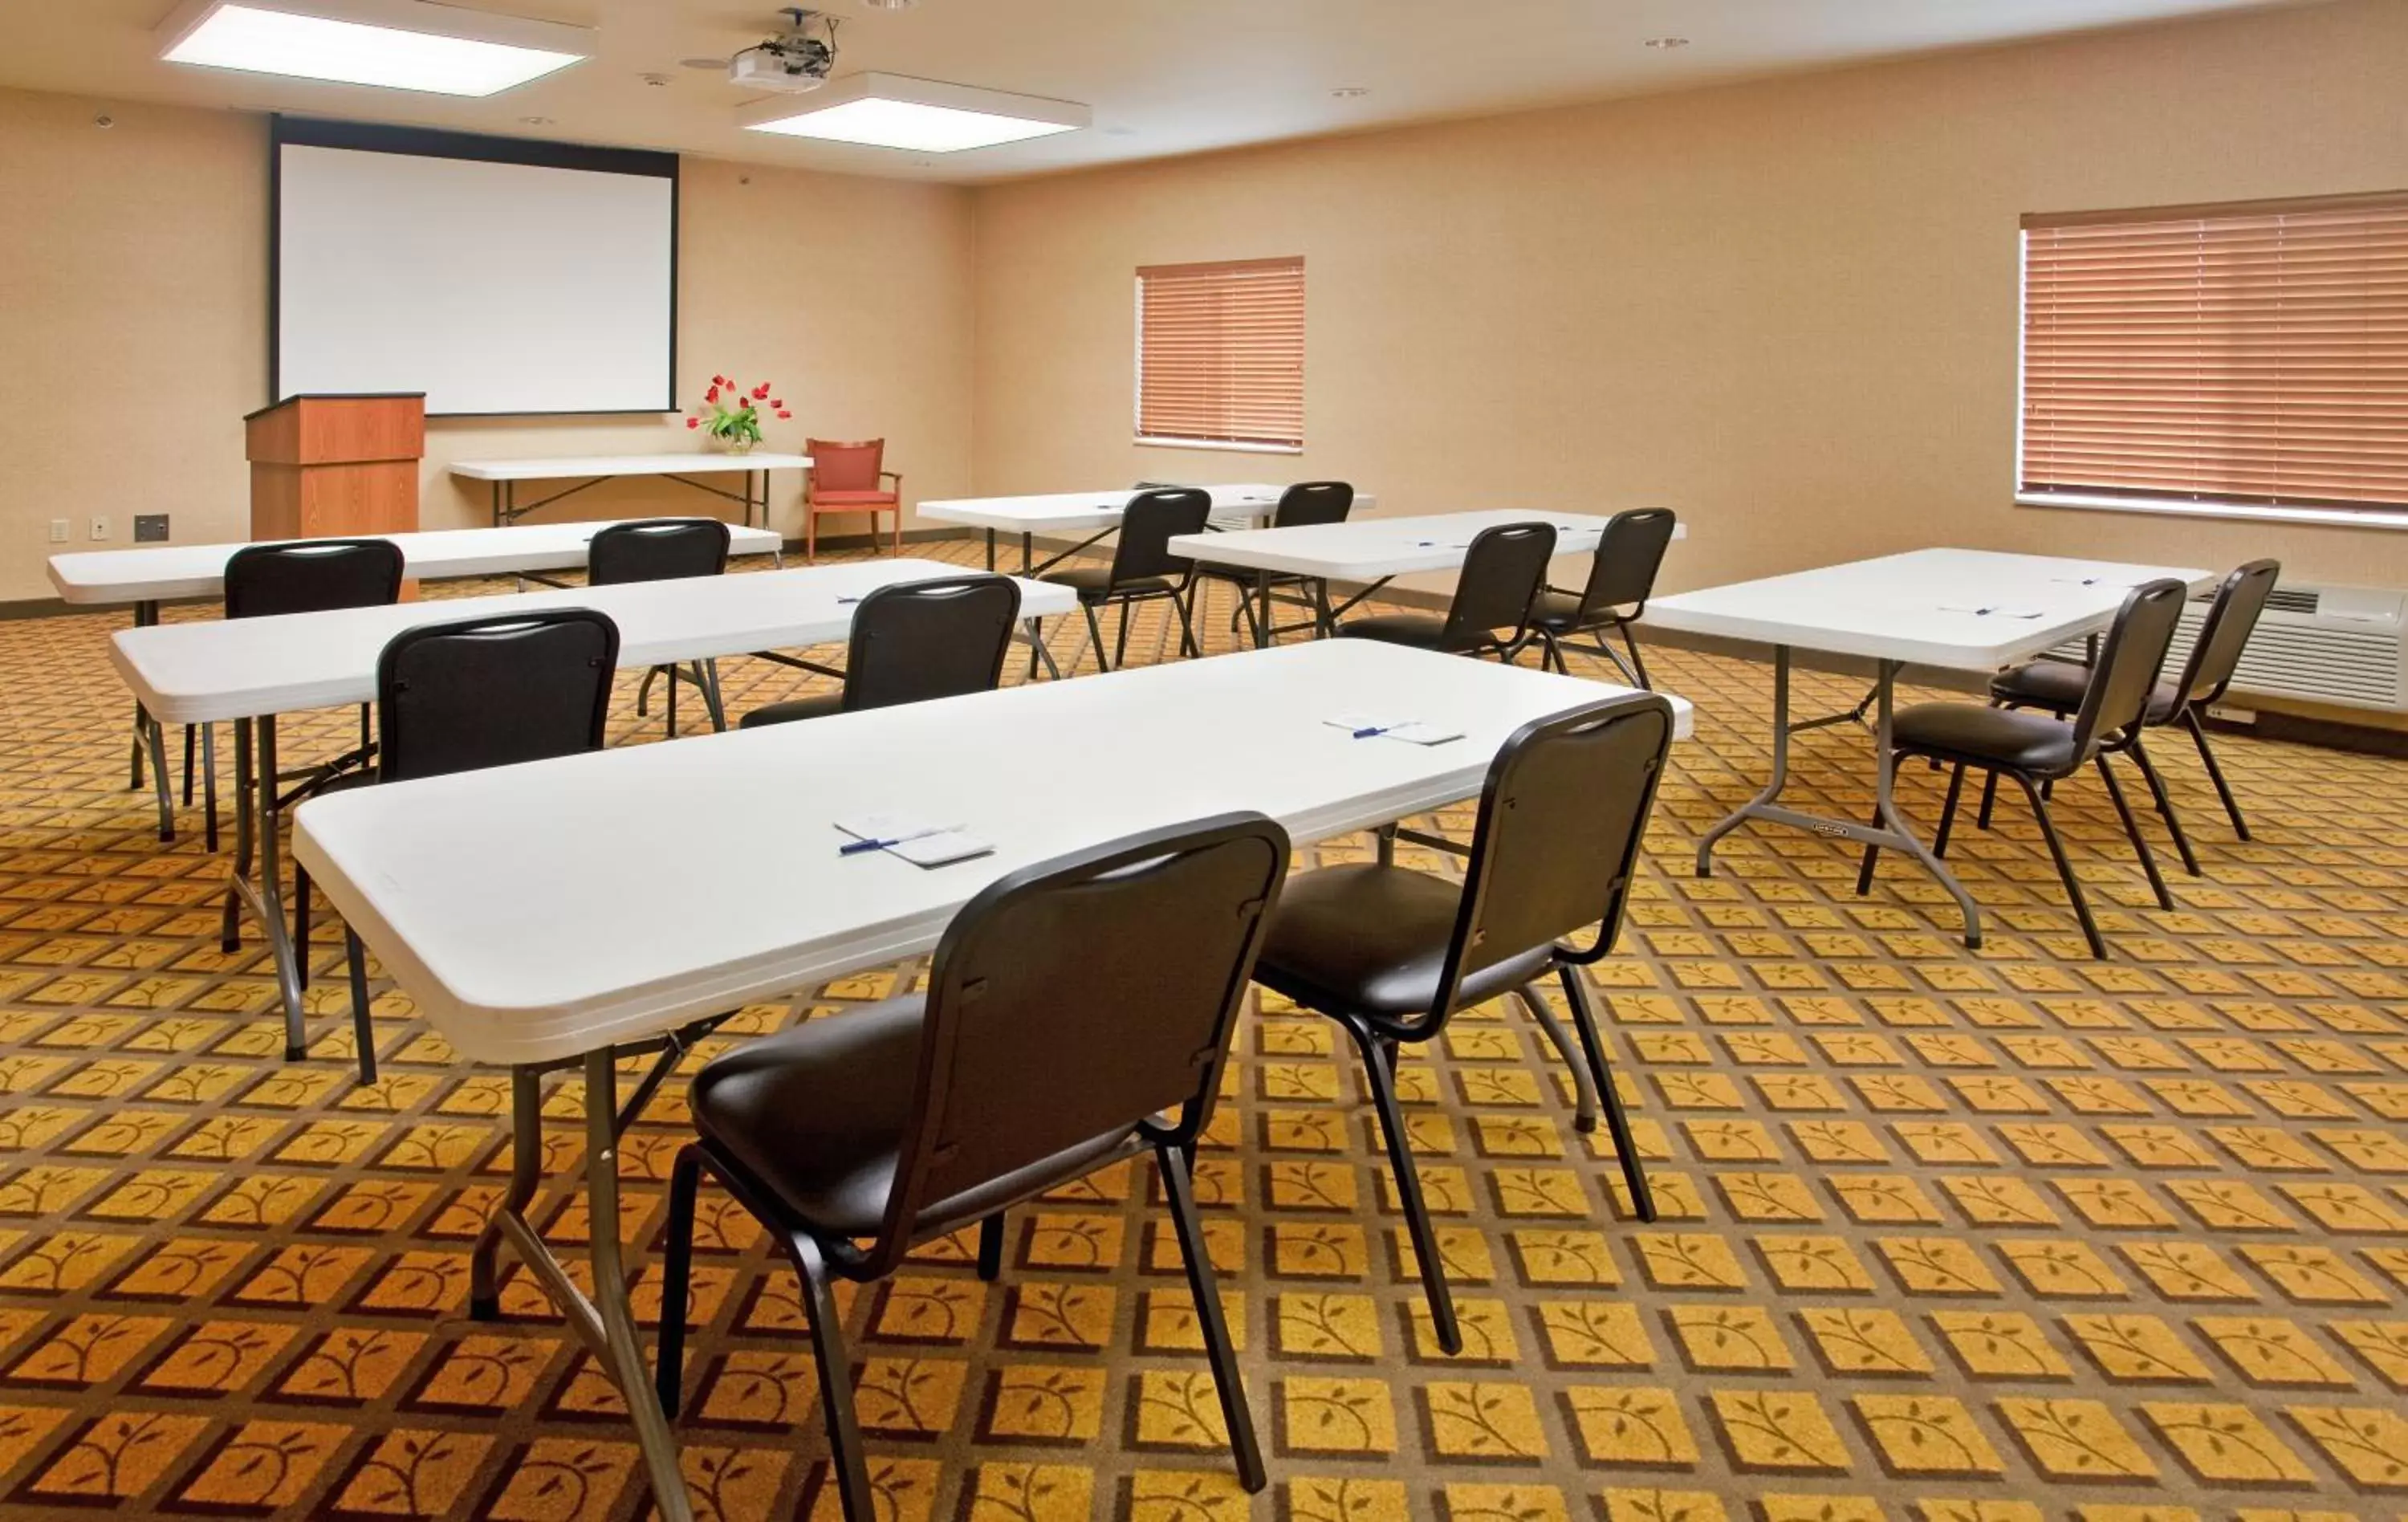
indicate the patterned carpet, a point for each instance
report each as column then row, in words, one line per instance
column 1946, row 1237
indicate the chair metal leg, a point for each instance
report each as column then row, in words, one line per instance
column 990, row 1247
column 1235, row 1414
column 1872, row 853
column 644, row 692
column 1120, row 645
column 836, row 1382
column 1096, row 635
column 2215, row 773
column 2064, row 868
column 1989, row 799
column 301, row 920
column 1382, row 1081
column 1583, row 1092
column 363, row 1031
column 2132, row 828
column 209, row 785
column 1638, row 662
column 1036, row 636
column 1187, row 641
column 1948, row 810
column 2165, row 806
column 188, row 766
column 1617, row 1124
column 670, row 686
column 677, row 1275
column 707, row 684
column 1254, row 623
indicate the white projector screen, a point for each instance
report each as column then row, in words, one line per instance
column 496, row 276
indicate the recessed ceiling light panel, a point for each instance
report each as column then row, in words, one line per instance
column 389, row 44
column 922, row 116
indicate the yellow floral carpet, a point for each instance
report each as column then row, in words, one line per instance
column 1948, row 1236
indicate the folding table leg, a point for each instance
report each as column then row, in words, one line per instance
column 1780, row 776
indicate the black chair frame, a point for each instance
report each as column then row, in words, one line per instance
column 914, row 641
column 1304, row 505
column 1377, row 1039
column 1621, row 578
column 1144, row 570
column 2207, row 674
column 660, row 549
column 2107, row 724
column 819, row 1259
column 399, row 762
column 1483, row 594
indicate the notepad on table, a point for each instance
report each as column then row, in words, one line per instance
column 917, row 842
column 1411, row 731
column 1991, row 611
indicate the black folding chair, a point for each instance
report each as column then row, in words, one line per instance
column 1143, row 569
column 2035, row 750
column 1620, row 579
column 1304, row 505
column 484, row 692
column 1070, row 1007
column 2057, row 686
column 1391, row 953
column 299, row 576
column 664, row 550
column 915, row 641
column 1494, row 595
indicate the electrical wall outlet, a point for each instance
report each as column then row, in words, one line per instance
column 149, row 528
column 58, row 531
column 99, row 526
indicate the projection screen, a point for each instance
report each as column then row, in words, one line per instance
column 498, row 276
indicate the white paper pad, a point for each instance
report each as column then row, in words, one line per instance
column 1411, row 731
column 1993, row 613
column 920, row 843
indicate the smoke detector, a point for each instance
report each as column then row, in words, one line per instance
column 795, row 60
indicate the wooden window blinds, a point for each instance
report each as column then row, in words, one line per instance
column 2253, row 354
column 1221, row 352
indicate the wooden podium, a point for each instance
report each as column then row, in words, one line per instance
column 327, row 466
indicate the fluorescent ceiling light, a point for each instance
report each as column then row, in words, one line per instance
column 888, row 111
column 393, row 44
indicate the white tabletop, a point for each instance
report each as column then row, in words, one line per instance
column 1066, row 511
column 697, row 463
column 1922, row 607
column 1368, row 549
column 232, row 668
column 657, row 912
column 166, row 571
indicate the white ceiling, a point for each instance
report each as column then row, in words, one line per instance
column 1165, row 76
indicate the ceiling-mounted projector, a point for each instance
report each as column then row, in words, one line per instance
column 795, row 61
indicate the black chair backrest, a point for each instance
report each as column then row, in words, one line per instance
column 2126, row 674
column 656, row 549
column 1628, row 555
column 2232, row 619
column 1562, row 817
column 312, row 576
column 494, row 691
column 1309, row 503
column 1149, row 524
column 1079, row 996
column 1502, row 573
column 915, row 641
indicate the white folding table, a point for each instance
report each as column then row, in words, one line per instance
column 504, row 476
column 1371, row 552
column 162, row 573
column 249, row 670
column 1096, row 514
column 1959, row 610
column 668, row 918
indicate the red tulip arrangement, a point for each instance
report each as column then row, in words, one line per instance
column 732, row 415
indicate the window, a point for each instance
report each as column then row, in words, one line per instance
column 1220, row 355
column 2248, row 358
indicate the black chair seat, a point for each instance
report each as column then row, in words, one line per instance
column 792, row 710
column 1372, row 939
column 2032, row 743
column 1559, row 612
column 1095, row 583
column 1422, row 631
column 815, row 1115
column 2059, row 685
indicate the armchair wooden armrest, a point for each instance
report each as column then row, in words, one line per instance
column 896, row 478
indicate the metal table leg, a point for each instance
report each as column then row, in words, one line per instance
column 990, row 550
column 1038, row 651
column 150, row 740
column 1889, row 829
column 256, row 825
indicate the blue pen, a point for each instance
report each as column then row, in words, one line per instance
column 855, row 848
column 1376, row 729
column 841, row 601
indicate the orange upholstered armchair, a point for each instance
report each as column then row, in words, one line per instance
column 846, row 478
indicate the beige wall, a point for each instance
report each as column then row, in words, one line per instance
column 1788, row 309
column 132, row 275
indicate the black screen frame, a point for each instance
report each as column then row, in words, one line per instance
column 429, row 142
